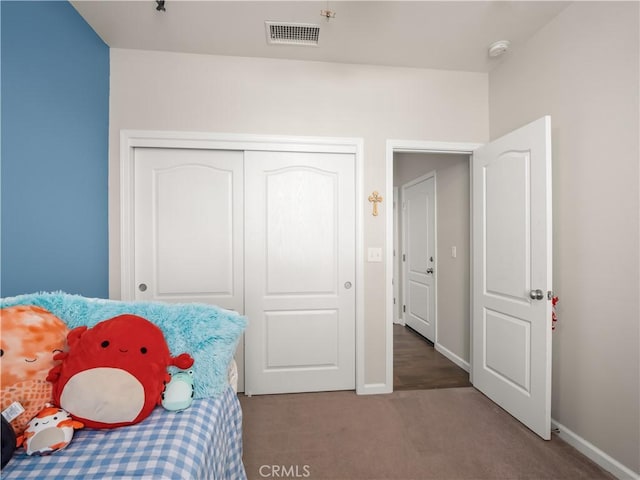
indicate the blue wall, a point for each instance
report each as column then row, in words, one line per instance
column 55, row 123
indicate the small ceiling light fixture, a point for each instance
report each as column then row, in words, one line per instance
column 328, row 14
column 160, row 6
column 498, row 48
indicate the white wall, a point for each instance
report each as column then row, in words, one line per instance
column 452, row 200
column 583, row 69
column 171, row 91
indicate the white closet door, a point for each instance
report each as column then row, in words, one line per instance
column 189, row 226
column 300, row 272
column 189, row 229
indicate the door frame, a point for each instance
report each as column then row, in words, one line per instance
column 397, row 311
column 131, row 139
column 417, row 146
column 410, row 183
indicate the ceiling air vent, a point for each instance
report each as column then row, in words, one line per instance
column 279, row 33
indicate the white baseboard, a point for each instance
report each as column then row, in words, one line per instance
column 463, row 364
column 594, row 453
column 374, row 389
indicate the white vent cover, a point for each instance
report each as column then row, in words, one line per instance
column 279, row 33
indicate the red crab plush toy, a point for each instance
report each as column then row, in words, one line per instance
column 114, row 373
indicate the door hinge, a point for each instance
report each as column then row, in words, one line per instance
column 404, row 308
column 404, row 257
column 394, row 301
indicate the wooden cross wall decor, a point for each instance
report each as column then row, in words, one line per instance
column 375, row 198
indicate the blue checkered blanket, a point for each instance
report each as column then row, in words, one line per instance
column 202, row 442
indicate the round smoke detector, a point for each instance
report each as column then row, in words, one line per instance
column 498, row 48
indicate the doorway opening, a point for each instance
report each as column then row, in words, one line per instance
column 439, row 358
column 431, row 334
column 511, row 265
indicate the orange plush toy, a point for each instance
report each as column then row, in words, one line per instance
column 29, row 337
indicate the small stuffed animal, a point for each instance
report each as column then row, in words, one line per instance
column 31, row 336
column 178, row 393
column 50, row 430
column 114, row 373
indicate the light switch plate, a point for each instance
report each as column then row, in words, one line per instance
column 374, row 254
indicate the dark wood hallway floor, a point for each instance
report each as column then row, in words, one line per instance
column 418, row 366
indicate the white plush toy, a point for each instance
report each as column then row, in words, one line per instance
column 50, row 430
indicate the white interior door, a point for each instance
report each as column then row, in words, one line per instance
column 512, row 273
column 300, row 264
column 189, row 228
column 418, row 226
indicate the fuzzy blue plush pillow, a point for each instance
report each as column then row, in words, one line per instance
column 208, row 333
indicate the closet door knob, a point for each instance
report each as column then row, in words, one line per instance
column 142, row 287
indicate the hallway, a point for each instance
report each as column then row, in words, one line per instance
column 418, row 366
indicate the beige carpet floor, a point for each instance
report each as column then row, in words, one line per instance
column 452, row 433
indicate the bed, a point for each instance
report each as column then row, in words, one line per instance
column 202, row 442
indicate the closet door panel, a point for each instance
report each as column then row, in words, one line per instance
column 189, row 226
column 300, row 263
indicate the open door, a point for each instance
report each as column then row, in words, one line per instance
column 512, row 273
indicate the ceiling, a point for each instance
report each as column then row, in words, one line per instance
column 448, row 35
